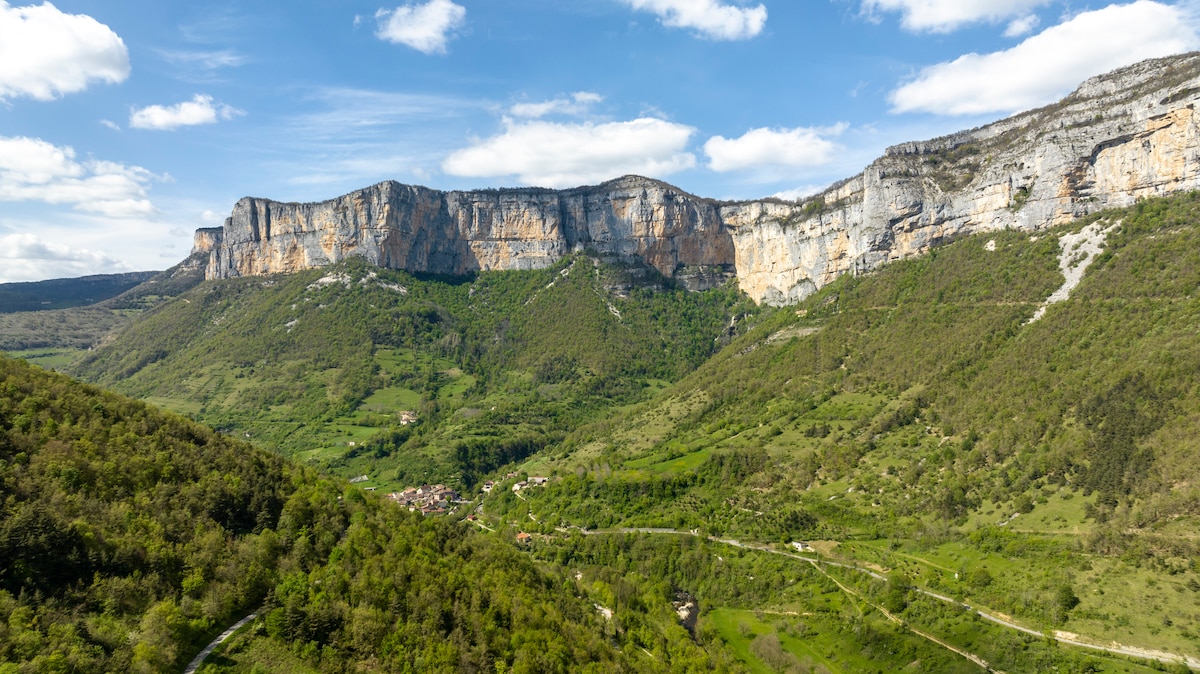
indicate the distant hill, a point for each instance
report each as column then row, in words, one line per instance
column 84, row 326
column 64, row 293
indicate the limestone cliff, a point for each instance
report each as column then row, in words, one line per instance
column 1129, row 134
column 422, row 230
column 1132, row 133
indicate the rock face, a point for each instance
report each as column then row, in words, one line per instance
column 1130, row 134
column 1122, row 136
column 632, row 219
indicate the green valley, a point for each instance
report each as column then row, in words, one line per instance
column 903, row 471
column 917, row 421
column 130, row 537
column 369, row 372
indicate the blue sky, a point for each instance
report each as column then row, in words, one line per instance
column 126, row 124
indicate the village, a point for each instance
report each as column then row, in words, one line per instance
column 517, row 487
column 437, row 499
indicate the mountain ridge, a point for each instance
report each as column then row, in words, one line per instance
column 421, row 230
column 1118, row 137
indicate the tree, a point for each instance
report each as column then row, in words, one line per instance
column 1065, row 597
column 895, row 598
column 156, row 648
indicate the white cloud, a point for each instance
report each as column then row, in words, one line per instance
column 576, row 104
column 1047, row 66
column 1022, row 26
column 566, row 155
column 217, row 25
column 33, row 170
column 787, row 148
column 108, row 123
column 711, row 18
column 799, row 193
column 425, row 27
column 348, row 114
column 202, row 66
column 27, row 257
column 204, row 60
column 200, row 110
column 45, row 53
column 942, row 16
column 211, row 217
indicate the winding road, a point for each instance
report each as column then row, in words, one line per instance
column 1192, row 662
column 199, row 659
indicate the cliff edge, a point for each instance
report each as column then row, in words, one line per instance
column 1119, row 137
column 417, row 229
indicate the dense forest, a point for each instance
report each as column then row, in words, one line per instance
column 130, row 536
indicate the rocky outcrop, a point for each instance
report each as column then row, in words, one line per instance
column 207, row 239
column 634, row 220
column 1130, row 134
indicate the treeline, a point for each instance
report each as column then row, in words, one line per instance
column 479, row 456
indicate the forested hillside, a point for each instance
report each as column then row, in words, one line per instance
column 917, row 419
column 129, row 537
column 332, row 366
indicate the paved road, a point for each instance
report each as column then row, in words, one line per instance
column 199, row 659
column 1060, row 637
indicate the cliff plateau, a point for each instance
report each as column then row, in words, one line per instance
column 1129, row 134
column 417, row 229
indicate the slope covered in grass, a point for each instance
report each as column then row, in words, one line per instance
column 323, row 365
column 918, row 418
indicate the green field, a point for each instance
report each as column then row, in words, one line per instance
column 51, row 359
column 740, row 628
